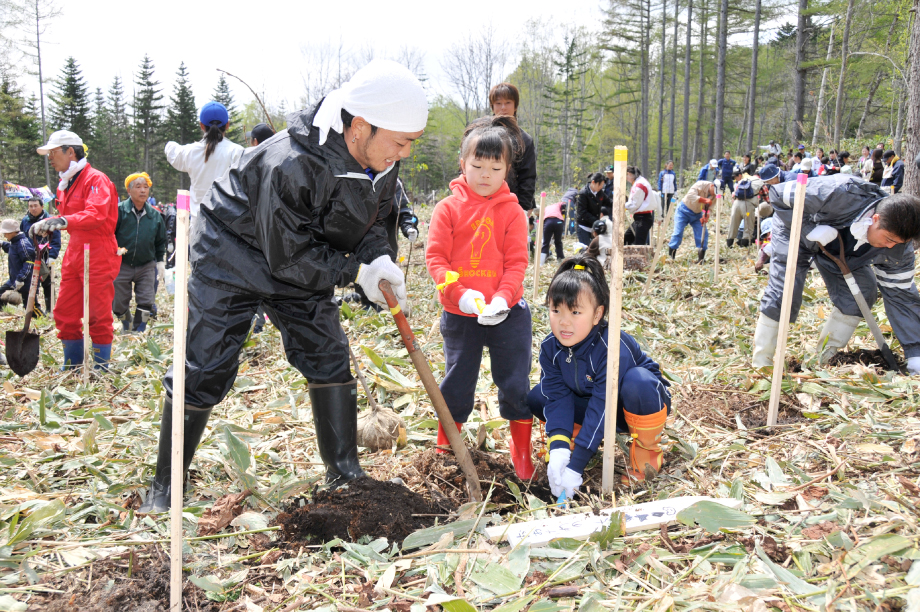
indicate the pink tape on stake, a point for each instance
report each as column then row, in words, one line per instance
column 182, row 202
column 802, row 178
column 85, row 246
column 542, row 194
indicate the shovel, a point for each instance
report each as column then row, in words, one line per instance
column 434, row 392
column 863, row 307
column 22, row 347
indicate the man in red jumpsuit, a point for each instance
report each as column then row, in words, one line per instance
column 88, row 207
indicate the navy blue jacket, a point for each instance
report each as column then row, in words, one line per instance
column 582, row 370
column 896, row 179
column 54, row 240
column 727, row 166
column 21, row 259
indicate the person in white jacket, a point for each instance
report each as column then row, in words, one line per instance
column 642, row 202
column 208, row 159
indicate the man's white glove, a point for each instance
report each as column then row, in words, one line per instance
column 382, row 268
column 913, row 365
column 46, row 227
column 170, row 248
column 17, row 285
column 822, row 234
column 558, row 463
column 161, row 272
column 412, row 234
column 121, row 251
column 468, row 303
column 569, row 482
column 494, row 313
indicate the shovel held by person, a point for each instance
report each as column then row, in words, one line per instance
column 434, row 392
column 22, row 347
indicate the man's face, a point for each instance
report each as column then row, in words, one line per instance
column 139, row 192
column 609, row 174
column 772, row 181
column 728, row 155
column 880, row 238
column 503, row 107
column 35, row 208
column 60, row 160
column 385, row 148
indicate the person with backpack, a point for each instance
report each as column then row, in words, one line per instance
column 667, row 187
column 744, row 208
column 874, row 232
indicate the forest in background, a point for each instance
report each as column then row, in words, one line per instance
column 833, row 73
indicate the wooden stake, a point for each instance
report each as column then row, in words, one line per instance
column 538, row 248
column 87, row 343
column 617, row 210
column 792, row 260
column 715, row 263
column 53, row 289
column 662, row 234
column 180, row 325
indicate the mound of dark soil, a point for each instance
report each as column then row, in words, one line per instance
column 720, row 403
column 864, row 357
column 145, row 590
column 362, row 507
column 442, row 469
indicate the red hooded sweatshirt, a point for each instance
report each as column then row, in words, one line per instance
column 483, row 239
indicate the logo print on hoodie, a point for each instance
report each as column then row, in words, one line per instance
column 482, row 236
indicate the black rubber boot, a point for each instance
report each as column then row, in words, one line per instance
column 701, row 255
column 335, row 415
column 672, row 252
column 744, row 243
column 158, row 496
column 730, row 242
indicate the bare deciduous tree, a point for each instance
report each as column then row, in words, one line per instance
column 472, row 66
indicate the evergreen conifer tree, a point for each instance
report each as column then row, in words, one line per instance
column 223, row 95
column 148, row 118
column 120, row 144
column 101, row 144
column 70, row 102
column 181, row 126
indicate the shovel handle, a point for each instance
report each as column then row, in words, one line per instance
column 33, row 287
column 434, row 392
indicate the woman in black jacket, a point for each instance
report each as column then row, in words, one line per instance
column 589, row 201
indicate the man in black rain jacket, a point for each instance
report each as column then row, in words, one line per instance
column 296, row 217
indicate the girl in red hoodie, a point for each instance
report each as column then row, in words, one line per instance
column 480, row 232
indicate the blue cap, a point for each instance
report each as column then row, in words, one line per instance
column 768, row 172
column 214, row 111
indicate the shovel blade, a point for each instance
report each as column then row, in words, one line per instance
column 890, row 359
column 22, row 350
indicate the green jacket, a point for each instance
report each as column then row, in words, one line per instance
column 144, row 234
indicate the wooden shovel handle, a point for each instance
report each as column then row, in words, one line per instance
column 434, row 392
column 33, row 288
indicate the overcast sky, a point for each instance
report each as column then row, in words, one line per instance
column 261, row 41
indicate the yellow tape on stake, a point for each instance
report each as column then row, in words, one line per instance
column 396, row 310
column 619, row 154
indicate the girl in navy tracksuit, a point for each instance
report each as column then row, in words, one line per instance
column 571, row 394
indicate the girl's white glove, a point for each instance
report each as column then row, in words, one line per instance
column 558, row 463
column 913, row 365
column 570, row 482
column 468, row 302
column 494, row 313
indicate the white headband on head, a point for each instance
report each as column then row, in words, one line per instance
column 384, row 93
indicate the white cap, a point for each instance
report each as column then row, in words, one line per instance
column 61, row 138
column 9, row 226
column 713, row 163
column 384, row 93
column 807, row 164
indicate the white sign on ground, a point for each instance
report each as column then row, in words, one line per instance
column 580, row 526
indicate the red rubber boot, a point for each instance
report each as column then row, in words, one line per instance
column 520, row 447
column 442, row 437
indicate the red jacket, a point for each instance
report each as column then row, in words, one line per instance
column 90, row 206
column 483, row 239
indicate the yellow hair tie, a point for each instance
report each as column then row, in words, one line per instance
column 133, row 177
column 579, row 267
